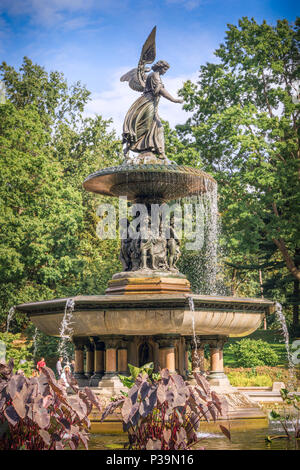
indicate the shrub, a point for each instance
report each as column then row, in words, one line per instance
column 129, row 381
column 37, row 414
column 276, row 374
column 253, row 353
column 163, row 412
column 238, row 379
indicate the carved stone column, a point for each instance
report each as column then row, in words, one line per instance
column 89, row 365
column 167, row 352
column 215, row 364
column 123, row 357
column 79, row 362
column 110, row 384
column 99, row 357
column 216, row 355
column 111, row 344
column 216, row 375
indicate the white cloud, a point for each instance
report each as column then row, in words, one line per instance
column 188, row 4
column 56, row 12
column 115, row 101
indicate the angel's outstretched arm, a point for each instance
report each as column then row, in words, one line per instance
column 163, row 92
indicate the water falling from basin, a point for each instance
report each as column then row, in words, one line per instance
column 203, row 261
column 10, row 315
column 196, row 355
column 210, row 204
column 34, row 339
column 66, row 330
column 292, row 385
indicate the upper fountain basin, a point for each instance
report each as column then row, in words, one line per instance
column 151, row 314
column 149, row 182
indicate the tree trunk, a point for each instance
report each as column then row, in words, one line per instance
column 296, row 306
column 262, row 296
column 296, row 293
column 292, row 267
column 233, row 282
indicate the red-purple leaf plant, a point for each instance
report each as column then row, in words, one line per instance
column 36, row 413
column 164, row 413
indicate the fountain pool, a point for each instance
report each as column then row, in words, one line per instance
column 246, row 434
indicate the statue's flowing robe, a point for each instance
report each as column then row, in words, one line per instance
column 142, row 129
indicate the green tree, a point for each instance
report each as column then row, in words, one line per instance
column 245, row 126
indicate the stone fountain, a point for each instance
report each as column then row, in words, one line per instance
column 148, row 312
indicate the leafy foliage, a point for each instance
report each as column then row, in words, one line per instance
column 252, row 353
column 249, row 379
column 293, row 401
column 260, row 376
column 19, row 350
column 37, row 414
column 245, row 128
column 46, row 346
column 48, row 242
column 129, row 381
column 163, row 413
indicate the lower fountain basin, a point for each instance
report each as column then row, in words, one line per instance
column 151, row 315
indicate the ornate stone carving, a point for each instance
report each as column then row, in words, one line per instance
column 166, row 341
column 111, row 342
column 156, row 253
column 173, row 247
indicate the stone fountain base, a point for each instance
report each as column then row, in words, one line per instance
column 110, row 331
column 147, row 281
column 240, row 406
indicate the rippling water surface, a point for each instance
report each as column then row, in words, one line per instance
column 245, row 435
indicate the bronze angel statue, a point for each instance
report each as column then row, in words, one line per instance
column 142, row 128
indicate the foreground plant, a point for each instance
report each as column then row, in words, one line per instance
column 37, row 414
column 293, row 401
column 163, row 412
column 129, row 381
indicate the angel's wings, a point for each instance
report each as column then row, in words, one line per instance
column 136, row 78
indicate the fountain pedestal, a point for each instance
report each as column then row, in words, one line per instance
column 145, row 283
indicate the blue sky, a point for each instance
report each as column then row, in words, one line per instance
column 96, row 41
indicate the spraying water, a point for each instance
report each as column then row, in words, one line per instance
column 196, row 355
column 283, row 327
column 210, row 204
column 35, row 337
column 204, row 265
column 66, row 329
column 10, row 315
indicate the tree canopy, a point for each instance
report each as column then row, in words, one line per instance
column 245, row 128
column 48, row 242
